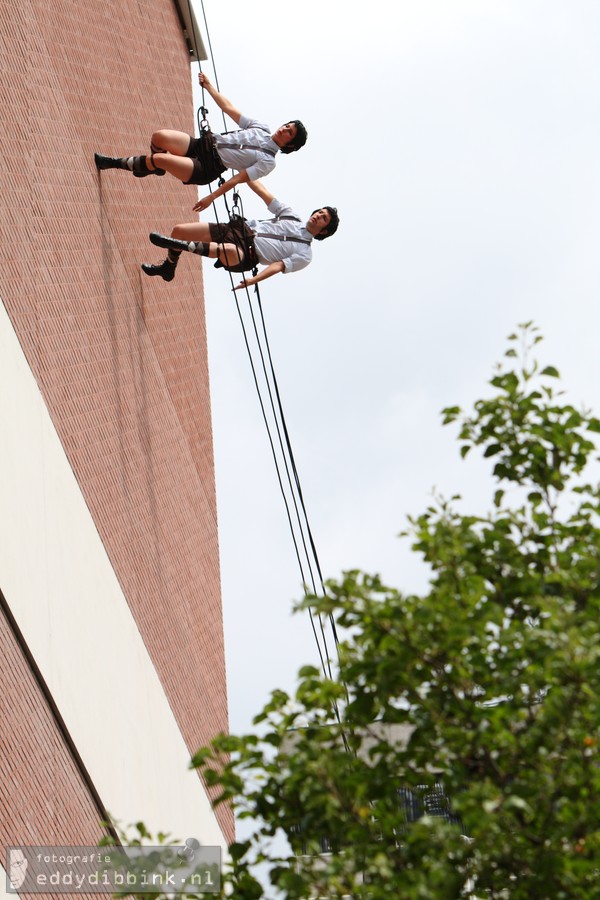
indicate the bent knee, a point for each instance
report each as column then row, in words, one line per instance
column 159, row 139
column 230, row 254
column 169, row 141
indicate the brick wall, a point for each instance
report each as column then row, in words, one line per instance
column 120, row 359
column 43, row 798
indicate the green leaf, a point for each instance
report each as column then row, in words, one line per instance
column 238, row 849
column 450, row 414
column 309, row 672
column 493, row 450
column 535, row 498
column 550, row 371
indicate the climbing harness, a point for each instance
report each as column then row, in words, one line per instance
column 239, row 234
column 203, row 151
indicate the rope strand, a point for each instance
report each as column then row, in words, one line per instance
column 278, row 436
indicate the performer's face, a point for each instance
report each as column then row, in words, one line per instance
column 319, row 220
column 285, row 134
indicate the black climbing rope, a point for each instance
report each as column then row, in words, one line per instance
column 276, row 426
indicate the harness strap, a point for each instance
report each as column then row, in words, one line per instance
column 268, row 150
column 283, row 237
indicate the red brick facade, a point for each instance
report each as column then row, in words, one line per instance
column 43, row 797
column 120, row 358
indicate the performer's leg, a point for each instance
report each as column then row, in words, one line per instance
column 166, row 269
column 166, row 141
column 199, row 232
column 192, row 231
column 194, row 237
column 180, row 167
column 168, row 154
column 140, row 166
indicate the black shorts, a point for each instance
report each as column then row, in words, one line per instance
column 236, row 232
column 207, row 162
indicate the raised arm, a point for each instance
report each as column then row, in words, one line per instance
column 222, row 102
column 258, row 187
column 272, row 269
column 240, row 178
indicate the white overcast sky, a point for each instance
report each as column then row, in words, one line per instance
column 460, row 141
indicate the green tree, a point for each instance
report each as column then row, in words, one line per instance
column 488, row 686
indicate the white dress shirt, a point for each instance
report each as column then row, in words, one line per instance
column 235, row 155
column 294, row 254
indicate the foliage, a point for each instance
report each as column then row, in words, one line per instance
column 492, row 681
column 133, row 858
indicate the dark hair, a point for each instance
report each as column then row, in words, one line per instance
column 299, row 140
column 333, row 225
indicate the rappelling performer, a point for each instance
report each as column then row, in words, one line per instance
column 251, row 151
column 282, row 243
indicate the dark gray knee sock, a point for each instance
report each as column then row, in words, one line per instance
column 199, row 247
column 135, row 164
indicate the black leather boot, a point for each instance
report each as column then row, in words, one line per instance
column 166, row 269
column 107, row 162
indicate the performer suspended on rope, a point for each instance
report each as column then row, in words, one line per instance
column 251, row 150
column 282, row 244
